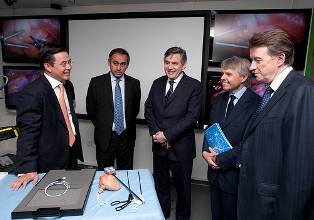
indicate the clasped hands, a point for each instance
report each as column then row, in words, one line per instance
column 210, row 158
column 160, row 138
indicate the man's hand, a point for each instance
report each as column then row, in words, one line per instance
column 24, row 180
column 159, row 137
column 210, row 158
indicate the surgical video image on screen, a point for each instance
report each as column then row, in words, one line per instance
column 232, row 32
column 23, row 38
column 19, row 79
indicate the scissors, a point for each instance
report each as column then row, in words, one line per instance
column 124, row 203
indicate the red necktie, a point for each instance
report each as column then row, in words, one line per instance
column 66, row 115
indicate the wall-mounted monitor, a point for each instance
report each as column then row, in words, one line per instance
column 19, row 77
column 230, row 31
column 24, row 37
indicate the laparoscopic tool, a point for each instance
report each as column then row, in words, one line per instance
column 111, row 170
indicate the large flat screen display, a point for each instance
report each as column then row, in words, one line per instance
column 231, row 31
column 23, row 38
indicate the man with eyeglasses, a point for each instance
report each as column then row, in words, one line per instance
column 112, row 104
column 50, row 137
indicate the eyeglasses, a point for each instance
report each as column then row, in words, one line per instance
column 64, row 63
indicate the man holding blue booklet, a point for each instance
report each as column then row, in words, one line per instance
column 232, row 110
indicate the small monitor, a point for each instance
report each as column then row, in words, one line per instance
column 24, row 37
column 18, row 79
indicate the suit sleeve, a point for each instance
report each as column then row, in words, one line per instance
column 29, row 122
column 91, row 101
column 138, row 97
column 149, row 113
column 296, row 192
column 211, row 121
column 191, row 117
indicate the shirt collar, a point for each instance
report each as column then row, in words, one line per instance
column 280, row 78
column 53, row 82
column 239, row 93
column 177, row 80
column 113, row 78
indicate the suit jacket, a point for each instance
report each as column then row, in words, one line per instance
column 176, row 119
column 277, row 167
column 233, row 127
column 100, row 109
column 44, row 143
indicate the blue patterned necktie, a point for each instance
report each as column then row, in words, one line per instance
column 265, row 99
column 170, row 91
column 118, row 109
column 230, row 105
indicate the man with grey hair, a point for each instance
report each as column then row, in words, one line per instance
column 232, row 110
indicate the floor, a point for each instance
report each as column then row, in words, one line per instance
column 200, row 202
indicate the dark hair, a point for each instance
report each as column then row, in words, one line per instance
column 240, row 65
column 177, row 50
column 277, row 41
column 119, row 51
column 46, row 54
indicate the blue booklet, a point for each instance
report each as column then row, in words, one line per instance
column 216, row 139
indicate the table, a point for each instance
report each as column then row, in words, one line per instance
column 94, row 210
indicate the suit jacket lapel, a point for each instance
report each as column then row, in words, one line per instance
column 221, row 109
column 281, row 91
column 127, row 92
column 107, row 90
column 178, row 88
column 241, row 104
column 54, row 101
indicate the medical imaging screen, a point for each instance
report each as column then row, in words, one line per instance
column 19, row 78
column 23, row 38
column 231, row 33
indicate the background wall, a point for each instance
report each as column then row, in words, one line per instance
column 143, row 155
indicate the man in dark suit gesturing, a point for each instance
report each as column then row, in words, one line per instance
column 50, row 137
column 232, row 110
column 171, row 111
column 277, row 162
column 112, row 103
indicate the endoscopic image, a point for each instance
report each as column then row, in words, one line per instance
column 233, row 31
column 23, row 38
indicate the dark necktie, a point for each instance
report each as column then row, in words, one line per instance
column 230, row 105
column 265, row 99
column 118, row 109
column 170, row 91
